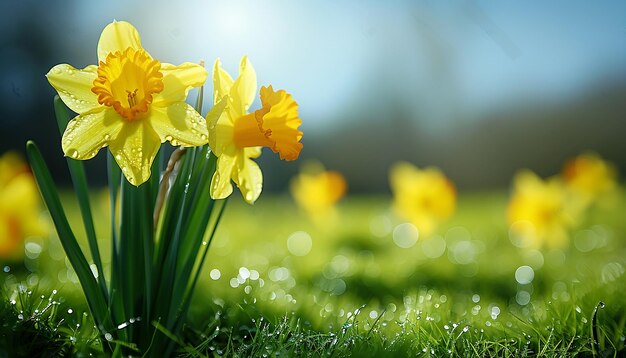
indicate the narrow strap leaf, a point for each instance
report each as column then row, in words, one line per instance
column 93, row 293
column 184, row 306
column 77, row 172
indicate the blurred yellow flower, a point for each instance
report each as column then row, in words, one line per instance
column 129, row 102
column 588, row 177
column 538, row 212
column 237, row 136
column 316, row 192
column 425, row 197
column 19, row 207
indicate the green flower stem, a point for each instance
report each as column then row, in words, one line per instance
column 116, row 303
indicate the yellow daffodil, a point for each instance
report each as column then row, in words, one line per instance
column 316, row 191
column 236, row 136
column 20, row 209
column 538, row 212
column 588, row 178
column 425, row 197
column 130, row 102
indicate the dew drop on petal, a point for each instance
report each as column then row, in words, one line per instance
column 73, row 153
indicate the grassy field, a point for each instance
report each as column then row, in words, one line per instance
column 275, row 283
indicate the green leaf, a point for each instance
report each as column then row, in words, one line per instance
column 196, row 226
column 187, row 300
column 95, row 298
column 77, row 172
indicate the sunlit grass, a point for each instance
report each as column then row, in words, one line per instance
column 276, row 282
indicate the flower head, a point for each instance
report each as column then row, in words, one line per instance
column 538, row 212
column 588, row 177
column 20, row 209
column 129, row 102
column 236, row 136
column 316, row 191
column 425, row 197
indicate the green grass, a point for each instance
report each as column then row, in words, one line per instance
column 356, row 293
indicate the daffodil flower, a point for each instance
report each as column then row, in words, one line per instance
column 316, row 191
column 129, row 102
column 236, row 136
column 589, row 178
column 424, row 197
column 538, row 212
column 20, row 207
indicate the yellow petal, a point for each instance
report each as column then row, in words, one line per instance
column 279, row 115
column 117, row 36
column 87, row 133
column 134, row 150
column 74, row 86
column 218, row 115
column 177, row 81
column 221, row 134
column 179, row 124
column 252, row 152
column 248, row 178
column 243, row 90
column 222, row 82
column 221, row 187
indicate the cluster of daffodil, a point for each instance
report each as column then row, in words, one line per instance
column 20, row 208
column 131, row 103
column 423, row 197
column 541, row 213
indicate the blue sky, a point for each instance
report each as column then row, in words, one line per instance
column 431, row 55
